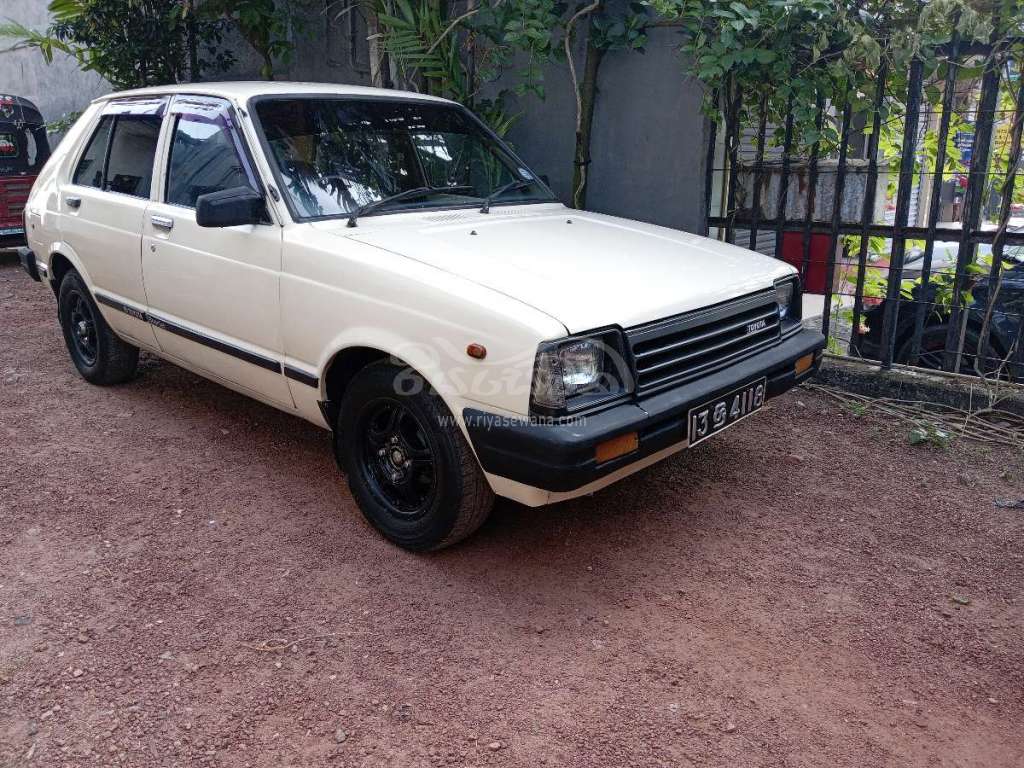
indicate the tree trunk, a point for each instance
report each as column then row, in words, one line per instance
column 588, row 96
column 376, row 50
column 191, row 42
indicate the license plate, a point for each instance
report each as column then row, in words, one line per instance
column 715, row 415
column 12, row 231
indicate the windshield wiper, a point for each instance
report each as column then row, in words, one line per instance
column 362, row 210
column 513, row 185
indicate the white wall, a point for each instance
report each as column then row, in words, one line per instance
column 56, row 88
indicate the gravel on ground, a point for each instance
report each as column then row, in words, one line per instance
column 186, row 581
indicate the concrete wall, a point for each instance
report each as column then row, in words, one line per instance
column 649, row 136
column 57, row 88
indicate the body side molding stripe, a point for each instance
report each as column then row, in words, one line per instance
column 187, row 333
column 301, row 376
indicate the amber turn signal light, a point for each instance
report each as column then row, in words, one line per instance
column 804, row 363
column 617, row 446
column 477, row 351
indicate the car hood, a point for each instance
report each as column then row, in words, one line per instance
column 586, row 270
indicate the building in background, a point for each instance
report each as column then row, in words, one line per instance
column 58, row 89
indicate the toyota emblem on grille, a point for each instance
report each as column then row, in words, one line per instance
column 758, row 326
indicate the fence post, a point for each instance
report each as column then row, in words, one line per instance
column 812, row 188
column 780, row 207
column 899, row 235
column 709, row 169
column 868, row 211
column 924, row 299
column 837, row 214
column 976, row 178
column 995, row 271
column 758, row 170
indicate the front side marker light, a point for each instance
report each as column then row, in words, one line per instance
column 804, row 364
column 617, row 446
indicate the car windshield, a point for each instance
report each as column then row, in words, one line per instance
column 335, row 155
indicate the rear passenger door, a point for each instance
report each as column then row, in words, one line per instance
column 213, row 292
column 103, row 207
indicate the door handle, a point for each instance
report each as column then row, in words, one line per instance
column 73, row 202
column 162, row 222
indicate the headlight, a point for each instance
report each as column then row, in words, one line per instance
column 579, row 372
column 787, row 294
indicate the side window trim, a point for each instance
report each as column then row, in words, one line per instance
column 104, row 187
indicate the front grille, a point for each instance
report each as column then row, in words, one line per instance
column 683, row 347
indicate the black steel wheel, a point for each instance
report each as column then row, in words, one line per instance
column 397, row 459
column 100, row 356
column 83, row 328
column 408, row 465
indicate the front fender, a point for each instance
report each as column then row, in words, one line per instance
column 458, row 379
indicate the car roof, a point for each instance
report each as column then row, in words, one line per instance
column 243, row 90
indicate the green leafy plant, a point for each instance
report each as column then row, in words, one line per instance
column 832, row 50
column 929, row 433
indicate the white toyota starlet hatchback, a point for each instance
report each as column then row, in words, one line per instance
column 382, row 265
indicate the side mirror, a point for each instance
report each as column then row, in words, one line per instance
column 230, row 208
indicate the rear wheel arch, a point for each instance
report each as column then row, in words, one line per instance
column 60, row 265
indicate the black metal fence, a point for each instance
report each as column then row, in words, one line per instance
column 891, row 245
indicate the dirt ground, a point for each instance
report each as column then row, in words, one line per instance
column 185, row 581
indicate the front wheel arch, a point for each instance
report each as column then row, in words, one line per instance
column 340, row 371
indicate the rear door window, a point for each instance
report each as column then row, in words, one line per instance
column 120, row 154
column 132, row 152
column 89, row 172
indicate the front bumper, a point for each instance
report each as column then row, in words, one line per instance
column 560, row 457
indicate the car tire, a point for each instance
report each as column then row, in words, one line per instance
column 933, row 345
column 408, row 464
column 100, row 356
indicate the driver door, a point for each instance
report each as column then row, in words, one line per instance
column 213, row 293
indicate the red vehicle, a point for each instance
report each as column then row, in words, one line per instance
column 23, row 151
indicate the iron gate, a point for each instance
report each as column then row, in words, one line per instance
column 956, row 316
